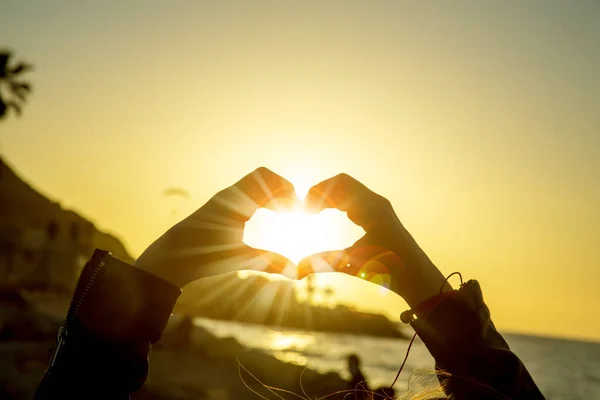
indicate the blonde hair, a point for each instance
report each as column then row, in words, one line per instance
column 422, row 385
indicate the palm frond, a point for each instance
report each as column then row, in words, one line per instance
column 20, row 68
column 20, row 86
column 3, row 108
column 19, row 94
column 20, row 90
column 4, row 57
column 15, row 106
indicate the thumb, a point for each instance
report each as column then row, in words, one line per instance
column 275, row 263
column 328, row 261
column 371, row 263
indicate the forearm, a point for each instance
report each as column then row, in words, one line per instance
column 471, row 356
column 117, row 312
column 414, row 276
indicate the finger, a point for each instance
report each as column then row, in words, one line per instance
column 264, row 261
column 274, row 263
column 338, row 192
column 263, row 186
column 371, row 263
column 346, row 194
column 258, row 189
column 329, row 261
column 350, row 261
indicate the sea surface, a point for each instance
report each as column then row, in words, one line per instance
column 562, row 369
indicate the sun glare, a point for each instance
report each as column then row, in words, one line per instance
column 297, row 234
column 285, row 341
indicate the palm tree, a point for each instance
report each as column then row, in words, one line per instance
column 310, row 288
column 13, row 91
column 328, row 293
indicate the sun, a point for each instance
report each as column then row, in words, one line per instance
column 296, row 234
column 287, row 233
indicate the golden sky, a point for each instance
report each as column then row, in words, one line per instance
column 480, row 123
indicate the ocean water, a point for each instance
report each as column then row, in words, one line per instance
column 562, row 369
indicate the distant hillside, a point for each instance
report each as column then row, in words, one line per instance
column 24, row 207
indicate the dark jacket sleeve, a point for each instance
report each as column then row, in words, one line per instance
column 116, row 313
column 473, row 361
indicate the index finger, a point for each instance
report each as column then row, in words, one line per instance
column 346, row 194
column 260, row 188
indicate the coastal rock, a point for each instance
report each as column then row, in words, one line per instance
column 20, row 321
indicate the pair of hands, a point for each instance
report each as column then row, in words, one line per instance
column 209, row 242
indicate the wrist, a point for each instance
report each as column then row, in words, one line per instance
column 417, row 281
column 426, row 307
column 417, row 277
column 160, row 272
column 153, row 261
column 160, row 269
column 421, row 292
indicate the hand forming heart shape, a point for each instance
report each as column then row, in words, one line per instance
column 210, row 241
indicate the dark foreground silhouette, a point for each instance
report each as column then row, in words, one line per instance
column 359, row 385
column 118, row 310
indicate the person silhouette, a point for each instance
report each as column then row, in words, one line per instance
column 384, row 393
column 358, row 382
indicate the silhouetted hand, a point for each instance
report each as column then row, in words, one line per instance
column 386, row 255
column 209, row 242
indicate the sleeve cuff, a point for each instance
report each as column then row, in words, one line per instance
column 458, row 319
column 426, row 307
column 125, row 303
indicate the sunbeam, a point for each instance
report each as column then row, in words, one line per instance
column 244, row 287
column 203, row 250
column 263, row 291
column 224, row 285
column 284, row 303
column 242, row 205
column 226, row 226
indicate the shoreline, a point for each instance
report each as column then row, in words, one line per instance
column 223, row 366
column 398, row 334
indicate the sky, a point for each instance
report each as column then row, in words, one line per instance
column 478, row 120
